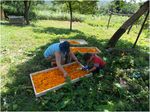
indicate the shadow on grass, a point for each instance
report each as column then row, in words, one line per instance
column 55, row 30
column 6, row 23
column 20, row 95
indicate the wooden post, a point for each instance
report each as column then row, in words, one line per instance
column 129, row 29
column 141, row 29
column 109, row 20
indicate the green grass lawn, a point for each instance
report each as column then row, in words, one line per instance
column 22, row 50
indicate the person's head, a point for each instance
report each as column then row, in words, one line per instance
column 87, row 57
column 65, row 47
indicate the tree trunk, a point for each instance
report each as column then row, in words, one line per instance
column 2, row 16
column 26, row 11
column 112, row 42
column 70, row 8
column 129, row 29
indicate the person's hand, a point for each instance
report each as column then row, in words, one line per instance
column 88, row 71
column 65, row 74
column 85, row 67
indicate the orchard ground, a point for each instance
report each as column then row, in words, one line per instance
column 22, row 50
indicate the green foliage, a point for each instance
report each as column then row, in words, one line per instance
column 123, row 7
column 87, row 7
column 80, row 6
column 13, row 7
column 17, row 8
column 125, row 61
column 116, row 5
column 129, row 8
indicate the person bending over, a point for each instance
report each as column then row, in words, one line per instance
column 57, row 52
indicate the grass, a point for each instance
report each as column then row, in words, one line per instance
column 22, row 53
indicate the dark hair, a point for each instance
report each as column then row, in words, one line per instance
column 65, row 47
column 87, row 56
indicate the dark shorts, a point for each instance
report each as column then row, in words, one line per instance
column 96, row 71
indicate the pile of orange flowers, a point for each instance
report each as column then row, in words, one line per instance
column 84, row 49
column 73, row 42
column 46, row 80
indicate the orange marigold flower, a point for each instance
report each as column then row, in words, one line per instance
column 84, row 49
column 73, row 42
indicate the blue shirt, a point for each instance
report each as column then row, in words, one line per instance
column 50, row 51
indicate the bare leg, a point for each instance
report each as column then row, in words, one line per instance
column 52, row 60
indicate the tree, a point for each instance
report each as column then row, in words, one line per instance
column 129, row 8
column 70, row 8
column 116, row 5
column 112, row 42
column 26, row 11
column 120, row 6
column 88, row 7
column 20, row 8
column 12, row 7
column 79, row 6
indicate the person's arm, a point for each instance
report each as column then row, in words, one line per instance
column 58, row 62
column 73, row 57
column 92, row 69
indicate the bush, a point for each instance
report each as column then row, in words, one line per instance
column 50, row 15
